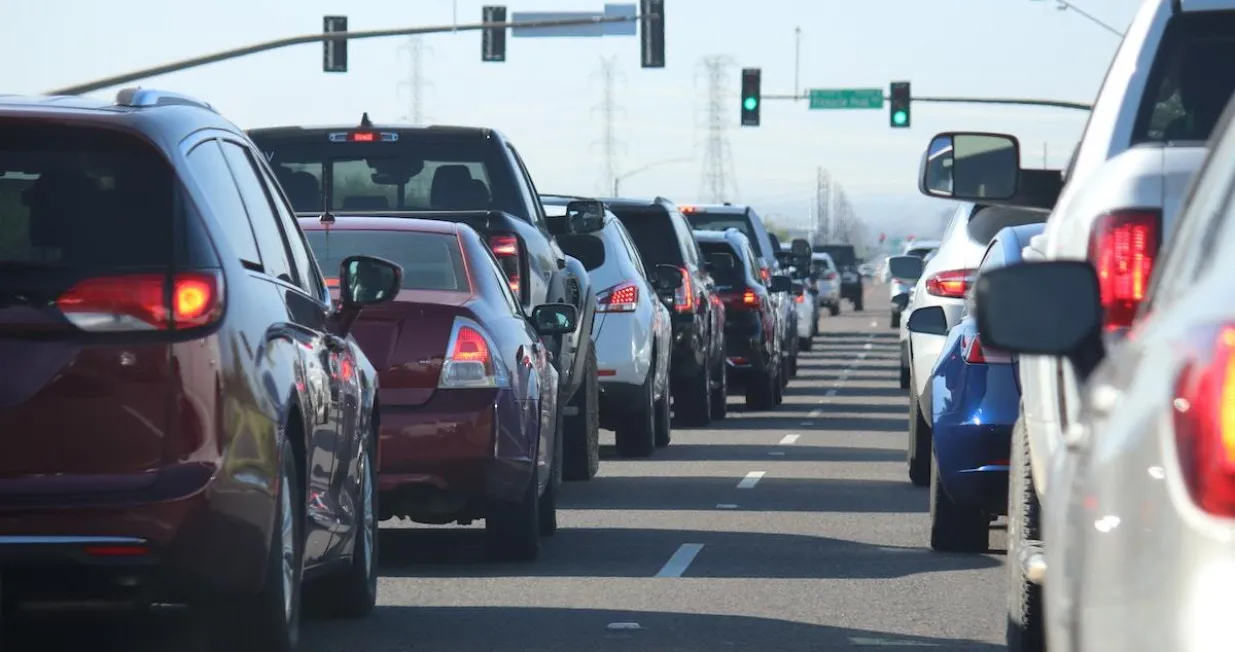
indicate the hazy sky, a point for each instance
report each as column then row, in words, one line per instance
column 545, row 96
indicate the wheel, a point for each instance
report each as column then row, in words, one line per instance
column 904, row 377
column 778, row 388
column 919, row 447
column 664, row 425
column 353, row 592
column 636, row 434
column 269, row 620
column 857, row 302
column 834, row 309
column 547, row 509
column 761, row 391
column 806, row 344
column 693, row 399
column 955, row 528
column 1025, row 632
column 895, row 321
column 512, row 530
column 720, row 392
column 580, row 431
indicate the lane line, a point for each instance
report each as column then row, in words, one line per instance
column 751, row 479
column 815, row 413
column 789, row 439
column 874, row 323
column 888, row 642
column 867, row 346
column 680, row 560
column 617, row 626
column 776, row 453
column 806, row 423
column 831, row 392
column 726, row 506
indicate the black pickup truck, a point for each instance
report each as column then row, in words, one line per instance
column 468, row 175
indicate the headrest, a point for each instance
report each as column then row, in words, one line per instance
column 452, row 187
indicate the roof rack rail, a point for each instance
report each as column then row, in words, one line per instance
column 139, row 97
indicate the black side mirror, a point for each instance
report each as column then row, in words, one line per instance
column 555, row 319
column 781, row 283
column 800, row 247
column 971, row 166
column 901, row 301
column 666, row 278
column 364, row 281
column 1043, row 308
column 906, row 268
column 930, row 320
column 585, row 215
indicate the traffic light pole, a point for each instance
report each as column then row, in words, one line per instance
column 277, row 44
column 1057, row 104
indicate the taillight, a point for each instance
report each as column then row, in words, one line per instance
column 952, row 283
column 471, row 359
column 684, row 296
column 766, row 275
column 801, row 298
column 975, row 353
column 505, row 248
column 747, row 300
column 144, row 302
column 620, row 298
column 1204, row 420
column 750, row 299
column 1122, row 248
column 831, row 276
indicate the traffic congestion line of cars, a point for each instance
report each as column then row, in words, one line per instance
column 279, row 338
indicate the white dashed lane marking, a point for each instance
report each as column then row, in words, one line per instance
column 680, row 560
column 751, row 480
column 790, row 438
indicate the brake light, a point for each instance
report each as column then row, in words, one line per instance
column 144, row 302
column 1204, row 420
column 620, row 298
column 801, row 298
column 684, row 296
column 1122, row 248
column 332, row 282
column 470, row 360
column 506, row 248
column 952, row 283
column 749, row 298
column 362, row 136
column 765, row 274
column 976, row 353
column 831, row 276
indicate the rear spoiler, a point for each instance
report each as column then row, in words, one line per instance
column 483, row 221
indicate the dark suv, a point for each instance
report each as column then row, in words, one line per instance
column 663, row 237
column 189, row 420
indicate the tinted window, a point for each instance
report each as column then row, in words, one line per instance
column 920, row 253
column 1191, row 79
column 310, row 278
column 727, row 268
column 430, row 261
column 265, row 225
column 212, row 174
column 631, row 250
column 990, row 220
column 706, row 221
column 653, row 233
column 589, row 249
column 841, row 255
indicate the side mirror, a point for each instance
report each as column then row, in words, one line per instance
column 666, row 278
column 363, row 281
column 928, row 321
column 781, row 283
column 800, row 248
column 906, row 268
column 971, row 166
column 1048, row 308
column 901, row 301
column 585, row 215
column 555, row 319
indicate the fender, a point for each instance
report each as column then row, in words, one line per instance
column 579, row 342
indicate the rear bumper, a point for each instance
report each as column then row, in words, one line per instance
column 614, row 360
column 972, row 433
column 745, row 354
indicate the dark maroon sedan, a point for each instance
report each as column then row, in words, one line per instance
column 470, row 421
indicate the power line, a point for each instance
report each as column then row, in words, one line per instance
column 415, row 83
column 717, row 182
column 609, row 110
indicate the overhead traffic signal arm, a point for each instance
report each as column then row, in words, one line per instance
column 752, row 96
column 898, row 105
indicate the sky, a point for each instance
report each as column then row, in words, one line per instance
column 547, row 96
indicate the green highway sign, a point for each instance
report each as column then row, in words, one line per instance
column 846, row 98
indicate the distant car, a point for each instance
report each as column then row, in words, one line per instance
column 633, row 333
column 806, row 311
column 846, row 258
column 471, row 426
column 827, row 281
column 187, row 419
column 899, row 289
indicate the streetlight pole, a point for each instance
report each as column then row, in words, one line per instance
column 1064, row 5
column 617, row 179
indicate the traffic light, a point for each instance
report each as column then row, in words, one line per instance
column 493, row 40
column 652, row 33
column 882, row 237
column 751, row 96
column 899, row 115
column 334, row 53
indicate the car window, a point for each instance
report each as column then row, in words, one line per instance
column 528, row 190
column 306, row 266
column 728, row 268
column 702, row 220
column 752, row 265
column 430, row 261
column 270, row 241
column 211, row 172
column 690, row 249
column 1187, row 89
column 653, row 235
column 630, row 247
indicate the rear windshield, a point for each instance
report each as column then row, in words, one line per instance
column 589, row 249
column 1192, row 78
column 920, row 253
column 654, row 235
column 990, row 220
column 78, row 198
column 430, row 261
column 842, row 255
column 408, row 174
column 726, row 265
column 706, row 221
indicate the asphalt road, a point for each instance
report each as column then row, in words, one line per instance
column 789, row 530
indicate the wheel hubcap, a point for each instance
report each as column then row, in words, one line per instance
column 288, row 539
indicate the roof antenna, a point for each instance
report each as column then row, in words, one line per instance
column 365, row 122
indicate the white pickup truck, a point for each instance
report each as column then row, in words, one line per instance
column 1164, row 91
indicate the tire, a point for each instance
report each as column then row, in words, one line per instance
column 761, row 391
column 778, row 388
column 693, row 400
column 1025, row 631
column 580, row 432
column 512, row 530
column 895, row 321
column 918, row 450
column 955, row 528
column 904, row 377
column 806, row 343
column 664, row 423
column 636, row 434
column 834, row 309
column 720, row 393
column 263, row 621
column 857, row 302
column 547, row 509
column 353, row 592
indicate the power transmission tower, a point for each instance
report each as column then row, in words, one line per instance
column 415, row 83
column 718, row 182
column 823, row 206
column 609, row 110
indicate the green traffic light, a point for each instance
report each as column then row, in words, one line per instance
column 900, row 117
column 750, row 103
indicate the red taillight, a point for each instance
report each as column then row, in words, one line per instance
column 1122, row 248
column 117, row 550
column 975, row 353
column 1204, row 408
column 621, row 298
column 952, row 283
column 469, row 359
column 506, row 249
column 746, row 301
column 831, row 276
column 684, row 296
column 332, row 282
column 144, row 302
column 801, row 298
column 362, row 136
column 749, row 298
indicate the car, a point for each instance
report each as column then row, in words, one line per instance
column 460, row 174
column 806, row 310
column 472, row 427
column 697, row 369
column 846, row 258
column 189, row 393
column 899, row 290
column 751, row 340
column 799, row 267
column 633, row 333
column 827, row 280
